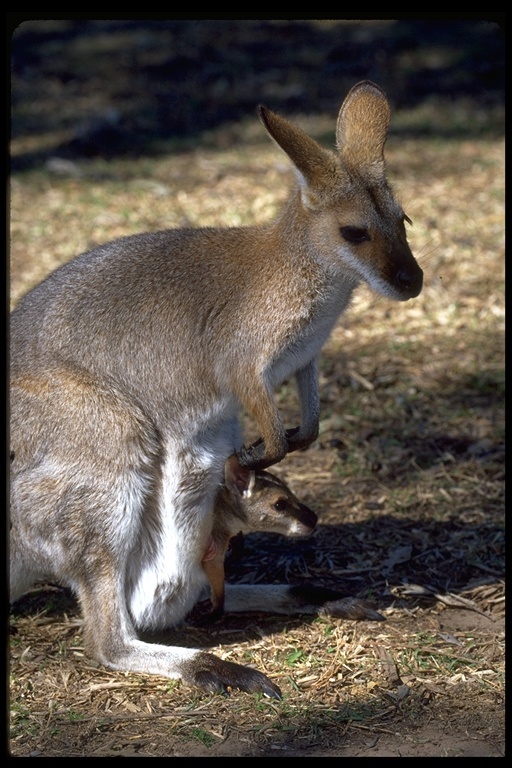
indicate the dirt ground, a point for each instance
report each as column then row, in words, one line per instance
column 407, row 476
column 425, row 683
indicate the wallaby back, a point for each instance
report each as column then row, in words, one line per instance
column 130, row 365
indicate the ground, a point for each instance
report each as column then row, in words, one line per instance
column 407, row 476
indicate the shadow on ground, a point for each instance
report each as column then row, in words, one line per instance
column 107, row 88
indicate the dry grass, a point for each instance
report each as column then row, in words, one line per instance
column 407, row 478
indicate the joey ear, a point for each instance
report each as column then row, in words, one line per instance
column 362, row 127
column 309, row 158
column 238, row 479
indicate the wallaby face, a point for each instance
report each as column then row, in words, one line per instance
column 357, row 227
column 129, row 367
column 260, row 501
column 250, row 501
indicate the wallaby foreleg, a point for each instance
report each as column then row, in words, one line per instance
column 267, row 451
column 309, row 399
column 272, row 446
column 214, row 569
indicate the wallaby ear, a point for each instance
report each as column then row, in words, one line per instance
column 238, row 479
column 309, row 158
column 362, row 127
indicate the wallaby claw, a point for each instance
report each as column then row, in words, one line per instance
column 296, row 443
column 290, row 435
column 218, row 676
column 253, row 456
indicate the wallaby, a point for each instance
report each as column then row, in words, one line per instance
column 249, row 501
column 130, row 365
column 259, row 501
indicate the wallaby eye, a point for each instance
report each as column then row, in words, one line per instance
column 407, row 219
column 281, row 505
column 355, row 234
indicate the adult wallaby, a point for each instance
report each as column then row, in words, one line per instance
column 129, row 367
column 249, row 501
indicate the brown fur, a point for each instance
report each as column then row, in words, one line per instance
column 130, row 365
column 250, row 501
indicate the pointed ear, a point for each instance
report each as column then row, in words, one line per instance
column 309, row 158
column 238, row 479
column 362, row 126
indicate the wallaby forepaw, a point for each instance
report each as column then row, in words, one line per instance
column 298, row 442
column 293, row 441
column 254, row 456
column 251, row 456
column 214, row 675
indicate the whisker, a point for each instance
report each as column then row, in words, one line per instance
column 423, row 257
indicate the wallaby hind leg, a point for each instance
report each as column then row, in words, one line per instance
column 111, row 638
column 305, row 598
column 85, row 514
column 84, row 461
column 98, row 576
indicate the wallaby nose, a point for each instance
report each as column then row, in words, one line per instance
column 307, row 517
column 410, row 282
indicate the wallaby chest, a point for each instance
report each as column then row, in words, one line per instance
column 305, row 345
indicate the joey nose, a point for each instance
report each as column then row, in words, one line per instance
column 307, row 517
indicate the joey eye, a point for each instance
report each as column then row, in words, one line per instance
column 281, row 505
column 407, row 219
column 355, row 234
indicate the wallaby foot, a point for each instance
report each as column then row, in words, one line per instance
column 194, row 667
column 330, row 602
column 113, row 641
column 212, row 674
